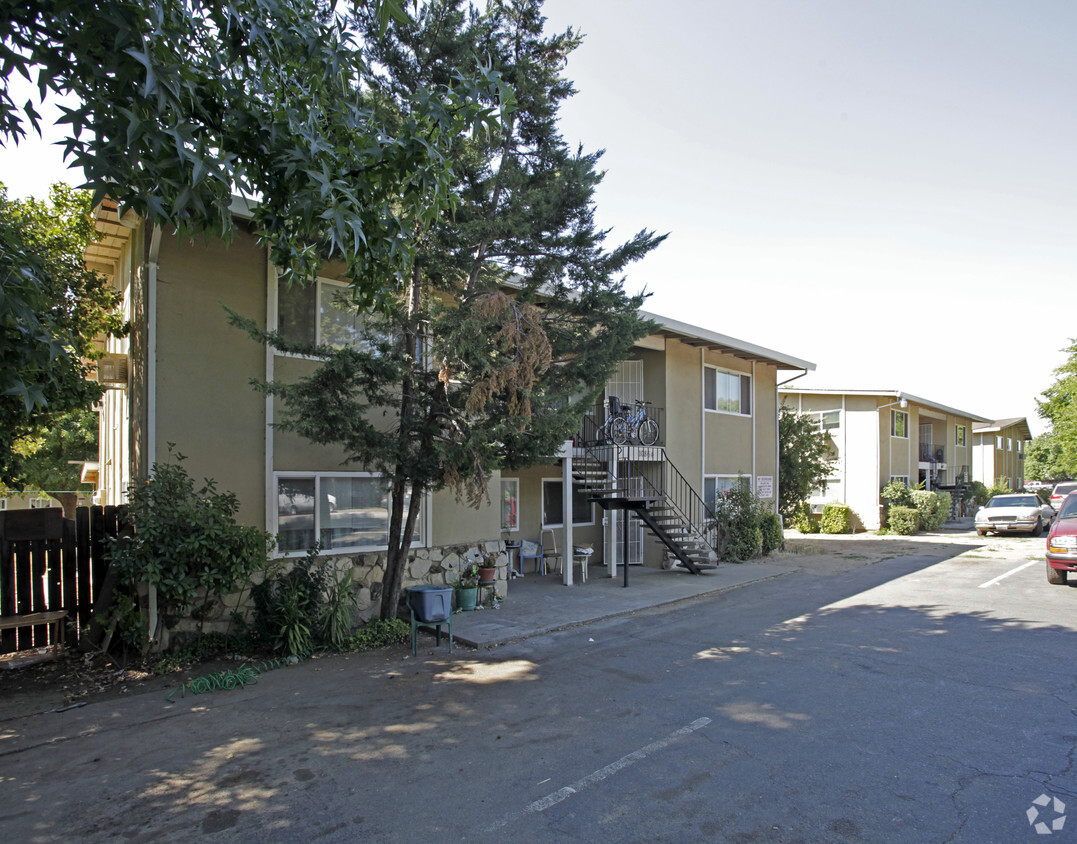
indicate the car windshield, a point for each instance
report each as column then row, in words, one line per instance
column 1014, row 501
column 1068, row 510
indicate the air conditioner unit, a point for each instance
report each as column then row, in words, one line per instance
column 112, row 371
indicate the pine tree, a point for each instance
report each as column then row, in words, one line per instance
column 515, row 313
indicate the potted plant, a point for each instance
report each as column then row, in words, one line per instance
column 467, row 587
column 488, row 568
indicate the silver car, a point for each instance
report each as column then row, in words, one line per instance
column 1017, row 513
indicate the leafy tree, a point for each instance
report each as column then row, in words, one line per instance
column 1044, row 458
column 1059, row 407
column 51, row 309
column 177, row 106
column 805, row 458
column 521, row 308
column 50, row 457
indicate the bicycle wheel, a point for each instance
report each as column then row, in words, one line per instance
column 648, row 432
column 619, row 431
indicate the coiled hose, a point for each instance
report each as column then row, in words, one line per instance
column 245, row 675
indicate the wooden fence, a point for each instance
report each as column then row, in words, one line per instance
column 48, row 562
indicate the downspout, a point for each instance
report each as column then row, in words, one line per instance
column 566, row 504
column 151, row 400
column 271, row 323
column 755, row 422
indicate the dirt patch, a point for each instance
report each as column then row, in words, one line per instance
column 75, row 680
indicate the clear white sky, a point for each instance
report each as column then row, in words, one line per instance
column 887, row 189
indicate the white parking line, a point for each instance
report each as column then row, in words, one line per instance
column 995, row 580
column 556, row 797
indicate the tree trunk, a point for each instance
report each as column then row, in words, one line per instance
column 70, row 502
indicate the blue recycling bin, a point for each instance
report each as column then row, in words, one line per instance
column 430, row 603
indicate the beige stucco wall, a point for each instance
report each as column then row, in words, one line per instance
column 204, row 401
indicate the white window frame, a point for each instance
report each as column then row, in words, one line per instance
column 960, row 435
column 903, row 478
column 894, row 415
column 511, row 486
column 41, row 502
column 3, row 503
column 417, row 541
column 713, row 372
column 820, row 419
column 576, row 486
column 709, row 499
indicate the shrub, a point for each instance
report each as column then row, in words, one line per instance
column 737, row 524
column 303, row 608
column 377, row 633
column 771, row 526
column 837, row 518
column 803, row 520
column 904, row 521
column 978, row 493
column 927, row 504
column 896, row 494
column 185, row 540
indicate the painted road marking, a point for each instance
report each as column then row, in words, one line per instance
column 556, row 797
column 995, row 580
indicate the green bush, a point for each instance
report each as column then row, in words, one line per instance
column 377, row 633
column 771, row 527
column 930, row 507
column 978, row 493
column 904, row 521
column 185, row 540
column 896, row 494
column 303, row 608
column 837, row 518
column 736, row 518
column 803, row 520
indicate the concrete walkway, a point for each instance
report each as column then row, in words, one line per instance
column 537, row 604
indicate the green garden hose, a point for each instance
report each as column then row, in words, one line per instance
column 245, row 675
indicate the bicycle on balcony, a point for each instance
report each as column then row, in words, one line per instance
column 637, row 426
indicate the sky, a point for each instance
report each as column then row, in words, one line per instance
column 884, row 189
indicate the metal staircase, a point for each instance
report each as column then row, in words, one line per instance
column 642, row 480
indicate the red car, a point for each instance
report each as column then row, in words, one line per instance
column 1062, row 542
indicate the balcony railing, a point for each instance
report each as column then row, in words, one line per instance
column 932, row 453
column 597, row 425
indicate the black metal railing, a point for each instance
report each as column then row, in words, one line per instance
column 598, row 422
column 647, row 473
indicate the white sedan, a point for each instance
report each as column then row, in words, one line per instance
column 1019, row 513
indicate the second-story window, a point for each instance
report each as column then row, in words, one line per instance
column 727, row 392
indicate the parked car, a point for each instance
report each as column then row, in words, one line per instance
column 1062, row 542
column 1035, row 486
column 1018, row 513
column 1059, row 493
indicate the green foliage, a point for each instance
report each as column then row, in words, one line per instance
column 803, row 520
column 176, row 106
column 737, row 524
column 1000, row 487
column 51, row 310
column 904, row 521
column 932, row 507
column 303, row 606
column 1059, row 406
column 978, row 493
column 896, row 494
column 836, row 518
column 468, row 578
column 523, row 368
column 805, row 458
column 185, row 539
column 770, row 525
column 378, row 633
column 1045, row 459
